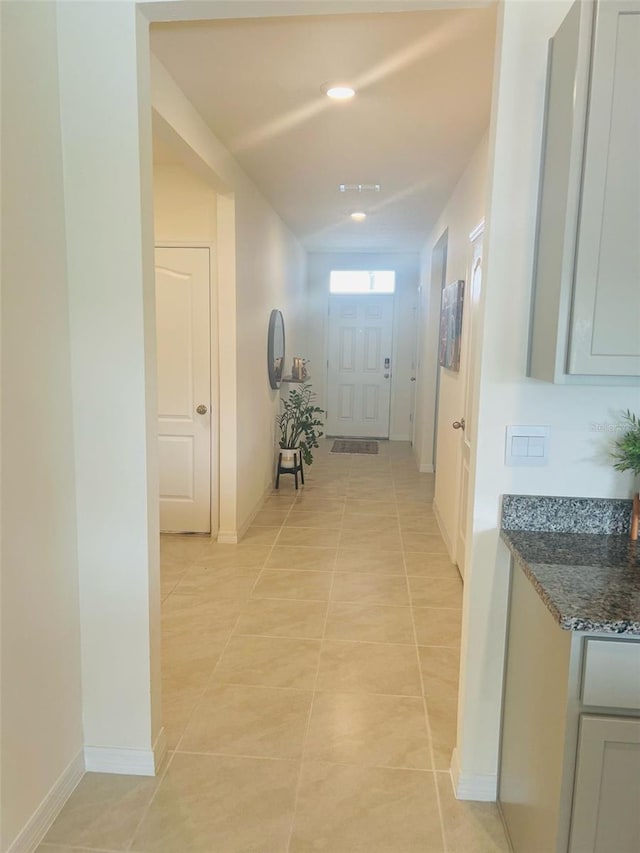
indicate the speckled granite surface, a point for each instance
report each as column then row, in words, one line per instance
column 588, row 581
column 577, row 554
column 565, row 515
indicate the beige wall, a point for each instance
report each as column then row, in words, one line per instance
column 41, row 690
column 464, row 210
column 185, row 208
column 261, row 266
column 404, row 325
column 578, row 454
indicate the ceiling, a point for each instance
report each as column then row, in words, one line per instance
column 423, row 82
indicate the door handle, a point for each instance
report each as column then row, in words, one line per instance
column 413, row 379
column 202, row 409
column 386, row 376
column 459, row 424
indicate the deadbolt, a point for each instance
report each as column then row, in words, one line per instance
column 202, row 409
column 458, row 424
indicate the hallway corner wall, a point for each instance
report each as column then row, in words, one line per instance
column 462, row 212
column 263, row 267
column 106, row 152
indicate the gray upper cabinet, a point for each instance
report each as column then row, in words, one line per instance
column 585, row 319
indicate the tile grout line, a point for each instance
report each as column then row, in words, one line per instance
column 173, row 753
column 196, row 707
column 65, row 847
column 425, row 709
column 170, row 754
column 295, row 506
column 167, row 764
column 294, row 759
column 224, row 649
column 305, row 738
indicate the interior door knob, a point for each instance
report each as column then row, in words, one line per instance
column 202, row 409
column 413, row 379
column 458, row 424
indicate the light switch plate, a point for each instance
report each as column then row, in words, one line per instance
column 527, row 445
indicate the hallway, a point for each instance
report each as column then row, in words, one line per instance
column 309, row 682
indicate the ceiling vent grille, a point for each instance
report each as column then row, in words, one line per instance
column 360, row 188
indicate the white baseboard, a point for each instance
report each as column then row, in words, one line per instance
column 129, row 762
column 227, row 537
column 49, row 809
column 232, row 537
column 443, row 532
column 425, row 468
column 467, row 786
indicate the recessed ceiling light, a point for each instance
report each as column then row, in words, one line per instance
column 339, row 92
column 358, row 216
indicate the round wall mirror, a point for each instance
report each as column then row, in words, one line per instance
column 275, row 348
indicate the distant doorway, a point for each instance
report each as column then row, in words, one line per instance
column 359, row 353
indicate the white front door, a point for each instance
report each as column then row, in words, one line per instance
column 359, row 370
column 470, row 360
column 184, row 389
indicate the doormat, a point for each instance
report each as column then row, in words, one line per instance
column 343, row 445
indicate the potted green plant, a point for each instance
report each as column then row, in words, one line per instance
column 299, row 424
column 626, row 452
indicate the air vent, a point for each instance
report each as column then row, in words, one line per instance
column 360, row 188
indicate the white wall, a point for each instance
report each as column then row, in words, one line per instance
column 463, row 211
column 578, row 463
column 41, row 691
column 106, row 141
column 261, row 266
column 404, row 325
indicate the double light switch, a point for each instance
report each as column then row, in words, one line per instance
column 527, row 445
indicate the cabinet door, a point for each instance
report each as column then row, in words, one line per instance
column 606, row 799
column 605, row 325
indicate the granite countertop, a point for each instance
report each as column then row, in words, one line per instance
column 589, row 581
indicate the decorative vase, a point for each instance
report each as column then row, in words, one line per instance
column 289, row 458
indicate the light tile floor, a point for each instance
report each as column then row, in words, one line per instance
column 310, row 680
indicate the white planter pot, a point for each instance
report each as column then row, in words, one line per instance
column 289, row 455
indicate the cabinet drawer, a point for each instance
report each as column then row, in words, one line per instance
column 612, row 674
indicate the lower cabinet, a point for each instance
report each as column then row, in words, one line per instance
column 570, row 747
column 606, row 797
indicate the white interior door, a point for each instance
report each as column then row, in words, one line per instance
column 470, row 360
column 359, row 369
column 184, row 389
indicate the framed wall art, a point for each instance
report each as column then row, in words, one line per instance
column 451, row 325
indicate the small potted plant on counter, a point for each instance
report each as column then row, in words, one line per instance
column 626, row 452
column 299, row 424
